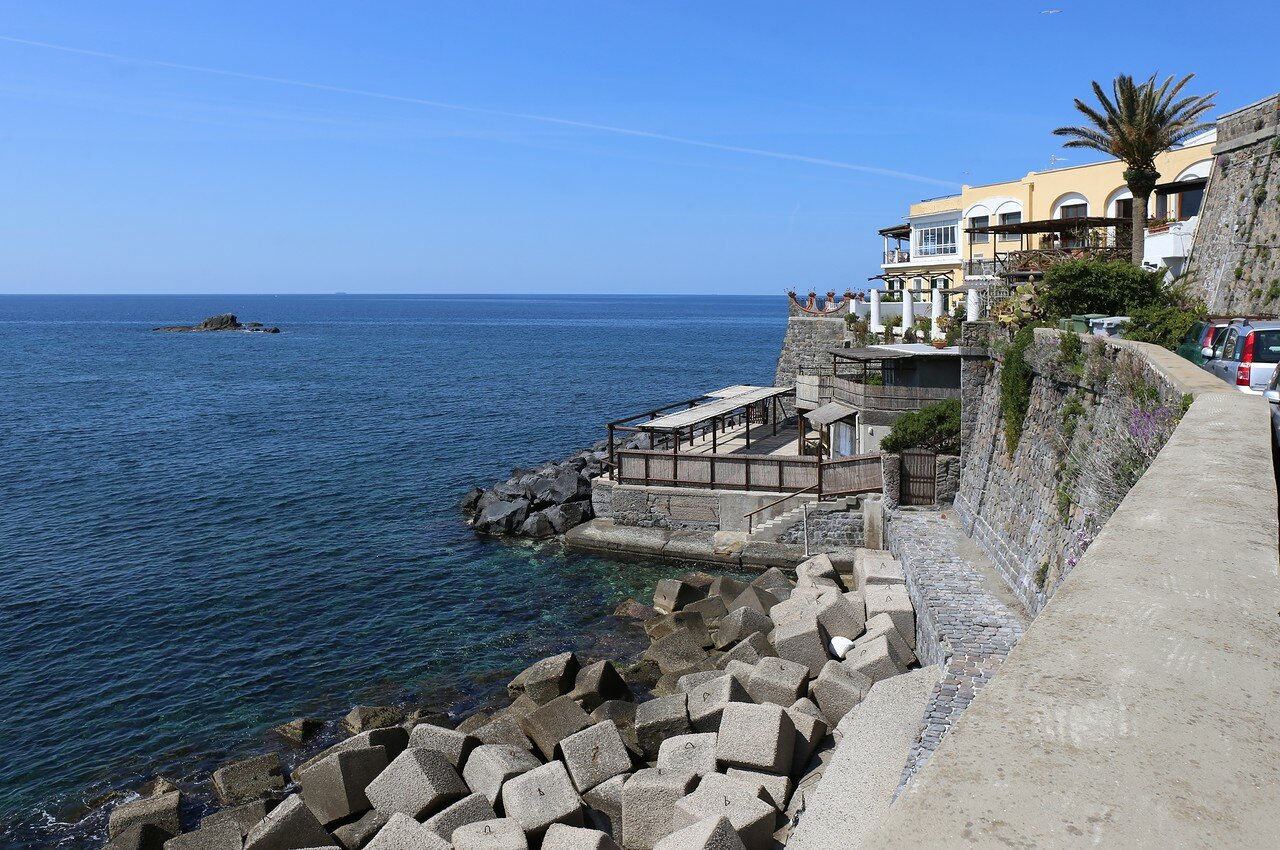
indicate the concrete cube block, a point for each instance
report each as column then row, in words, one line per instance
column 140, row 836
column 752, row 818
column 595, row 754
column 648, row 805
column 761, row 737
column 160, row 811
column 801, row 641
column 778, row 681
column 722, row 783
column 751, row 650
column 547, row 679
column 872, row 567
column 659, row 719
column 473, row 721
column 801, row 606
column 562, row 837
column 712, row 610
column 872, row 659
column 726, row 588
column 491, row 765
column 495, row 834
column 671, row 594
column 598, row 683
column 707, row 701
column 678, row 650
column 404, row 833
column 837, row 689
column 740, row 670
column 893, row 600
column 689, row 621
column 417, row 783
column 541, row 797
column 289, row 825
column 244, row 816
column 223, row 836
column 669, row 683
column 755, row 598
column 739, row 624
column 472, row 808
column 362, row 718
column 839, row 617
column 711, row 833
column 689, row 753
column 606, row 799
column 772, row 579
column 450, row 743
column 770, row 787
column 333, row 788
column 881, row 626
column 504, row 729
column 689, row 681
column 247, row 780
column 552, row 723
column 811, row 728
column 621, row 712
column 817, row 571
column 355, row 835
column 393, row 739
column 521, row 706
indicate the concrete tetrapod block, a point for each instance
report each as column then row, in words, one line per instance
column 598, row 683
column 752, row 818
column 894, row 601
column 778, row 681
column 881, row 626
column 333, row 788
column 707, row 701
column 802, row 642
column 713, row 833
column 595, row 754
column 416, row 783
column 491, row 765
column 355, row 835
column 561, row 837
column 672, row 594
column 547, row 679
column 676, row 651
column 450, row 743
column 160, row 812
column 247, row 780
column 289, row 826
column 648, row 804
column 811, row 728
column 541, row 797
column 873, row 659
column 770, row 787
column 756, row 736
column 872, row 567
column 694, row 754
column 552, row 723
column 659, row 719
column 504, row 729
column 404, row 833
column 495, row 834
column 839, row 616
column 740, row 624
column 222, row 836
column 837, row 690
column 470, row 809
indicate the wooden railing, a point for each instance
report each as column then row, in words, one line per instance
column 875, row 397
column 768, row 473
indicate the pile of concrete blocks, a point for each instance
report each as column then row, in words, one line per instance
column 748, row 685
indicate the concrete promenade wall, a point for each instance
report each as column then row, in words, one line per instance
column 1139, row 708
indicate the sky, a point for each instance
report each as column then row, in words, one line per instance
column 531, row 146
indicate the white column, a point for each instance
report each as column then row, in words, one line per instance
column 935, row 314
column 876, row 326
column 908, row 309
column 971, row 305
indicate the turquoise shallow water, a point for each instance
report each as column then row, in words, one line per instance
column 204, row 535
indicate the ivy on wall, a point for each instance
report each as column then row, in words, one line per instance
column 1015, row 387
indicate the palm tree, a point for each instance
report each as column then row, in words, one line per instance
column 1138, row 122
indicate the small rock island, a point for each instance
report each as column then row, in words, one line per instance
column 224, row 322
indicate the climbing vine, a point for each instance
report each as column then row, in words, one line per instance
column 1015, row 387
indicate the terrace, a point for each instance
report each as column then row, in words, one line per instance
column 1048, row 242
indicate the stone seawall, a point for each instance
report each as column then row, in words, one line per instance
column 806, row 346
column 1099, row 409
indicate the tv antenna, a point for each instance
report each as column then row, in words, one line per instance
column 1054, row 159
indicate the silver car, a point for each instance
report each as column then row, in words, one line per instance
column 1245, row 354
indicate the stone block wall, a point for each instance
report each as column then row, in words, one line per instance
column 828, row 529
column 1093, row 416
column 805, row 347
column 650, row 507
column 1236, row 255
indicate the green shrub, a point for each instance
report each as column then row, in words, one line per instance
column 1015, row 387
column 935, row 426
column 1162, row 325
column 1092, row 286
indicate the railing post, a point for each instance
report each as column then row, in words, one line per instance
column 746, row 473
column 612, row 456
column 819, row 478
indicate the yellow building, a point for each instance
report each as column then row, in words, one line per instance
column 1016, row 227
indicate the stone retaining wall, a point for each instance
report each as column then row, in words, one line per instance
column 806, row 347
column 828, row 529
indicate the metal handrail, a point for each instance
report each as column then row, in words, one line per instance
column 748, row 516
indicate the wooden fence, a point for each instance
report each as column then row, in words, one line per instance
column 770, row 473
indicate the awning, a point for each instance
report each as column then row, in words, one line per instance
column 832, row 411
column 712, row 409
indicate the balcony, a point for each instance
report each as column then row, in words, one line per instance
column 896, row 255
column 890, row 399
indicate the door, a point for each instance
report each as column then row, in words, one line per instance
column 919, row 471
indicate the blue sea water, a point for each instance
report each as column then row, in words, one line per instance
column 202, row 536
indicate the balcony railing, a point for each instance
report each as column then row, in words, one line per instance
column 770, row 473
column 897, row 255
column 875, row 397
column 1039, row 259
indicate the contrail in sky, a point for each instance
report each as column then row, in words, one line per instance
column 479, row 110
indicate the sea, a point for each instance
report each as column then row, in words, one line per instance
column 205, row 535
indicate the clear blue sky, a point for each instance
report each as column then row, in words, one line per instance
column 127, row 174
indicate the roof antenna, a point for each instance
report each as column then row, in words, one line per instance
column 1054, row 159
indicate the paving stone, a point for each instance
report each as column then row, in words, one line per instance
column 837, row 690
column 223, row 836
column 707, row 701
column 752, row 818
column 244, row 816
column 711, row 833
column 598, row 683
column 504, row 729
column 672, row 595
column 333, row 788
column 872, row 567
column 893, row 601
column 873, row 659
column 554, row 722
column 839, row 617
column 470, row 809
column 491, row 765
column 659, row 719
column 404, row 833
column 802, row 642
column 242, row 781
column 756, row 736
column 288, row 826
column 362, row 718
column 770, row 787
column 595, row 754
column 450, row 743
column 778, row 681
column 648, row 804
column 678, row 650
column 547, row 679
column 354, row 836
column 417, row 783
column 740, row 624
column 495, row 834
column 689, row 753
column 561, row 837
column 160, row 812
column 541, row 797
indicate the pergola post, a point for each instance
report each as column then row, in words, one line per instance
column 612, row 459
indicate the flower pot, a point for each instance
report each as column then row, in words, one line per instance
column 939, row 343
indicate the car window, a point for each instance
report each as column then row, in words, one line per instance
column 1195, row 333
column 1266, row 346
column 1226, row 342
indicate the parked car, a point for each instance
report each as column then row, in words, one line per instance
column 1245, row 354
column 1197, row 339
column 1272, row 394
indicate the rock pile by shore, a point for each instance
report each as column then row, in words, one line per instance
column 746, row 682
column 223, row 322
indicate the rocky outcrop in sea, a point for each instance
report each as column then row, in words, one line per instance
column 224, row 322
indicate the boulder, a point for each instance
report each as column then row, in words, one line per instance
column 552, row 723
column 362, row 718
column 417, row 783
column 472, row 808
column 290, row 826
column 659, row 719
column 541, row 797
column 546, row 679
column 760, row 737
column 502, row 517
column 491, row 765
column 707, row 701
column 537, row 526
column 566, row 516
column 470, row 501
column 404, row 833
column 242, row 781
column 561, row 837
column 689, row 753
column 160, row 812
column 594, row 755
column 450, row 743
column 648, row 805
column 333, row 788
column 711, row 833
column 495, row 834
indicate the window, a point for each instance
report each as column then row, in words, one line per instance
column 1227, row 342
column 982, row 221
column 1124, row 208
column 1010, row 218
column 1266, row 346
column 1073, row 210
column 933, row 241
column 1189, row 203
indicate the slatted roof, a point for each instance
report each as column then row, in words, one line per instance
column 830, row 412
column 712, row 409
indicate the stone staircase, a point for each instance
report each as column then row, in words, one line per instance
column 774, row 527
